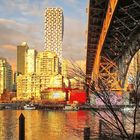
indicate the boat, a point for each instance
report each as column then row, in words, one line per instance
column 29, row 107
column 7, row 107
column 128, row 109
column 70, row 108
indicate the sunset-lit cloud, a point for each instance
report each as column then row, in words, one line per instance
column 10, row 48
column 8, row 52
column 74, row 39
column 23, row 21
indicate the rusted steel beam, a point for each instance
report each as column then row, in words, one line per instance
column 109, row 14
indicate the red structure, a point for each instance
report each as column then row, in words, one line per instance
column 77, row 95
column 59, row 95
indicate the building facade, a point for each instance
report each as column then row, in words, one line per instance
column 28, row 86
column 47, row 63
column 32, row 83
column 54, row 30
column 64, row 68
column 31, row 61
column 5, row 75
column 21, row 57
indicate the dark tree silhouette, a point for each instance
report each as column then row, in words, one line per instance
column 115, row 117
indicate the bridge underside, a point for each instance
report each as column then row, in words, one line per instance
column 111, row 49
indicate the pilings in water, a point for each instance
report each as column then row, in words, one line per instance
column 21, row 127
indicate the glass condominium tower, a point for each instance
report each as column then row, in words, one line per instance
column 54, row 30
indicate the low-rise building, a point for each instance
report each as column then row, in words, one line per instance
column 28, row 86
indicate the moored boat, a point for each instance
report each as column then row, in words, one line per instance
column 70, row 108
column 29, row 107
column 128, row 109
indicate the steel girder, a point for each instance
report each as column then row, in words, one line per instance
column 114, row 46
column 96, row 13
column 133, row 44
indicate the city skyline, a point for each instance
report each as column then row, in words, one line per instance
column 26, row 23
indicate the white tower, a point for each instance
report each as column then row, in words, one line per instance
column 54, row 30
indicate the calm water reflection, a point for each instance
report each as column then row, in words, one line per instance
column 47, row 125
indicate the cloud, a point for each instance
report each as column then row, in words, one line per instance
column 24, row 21
column 27, row 8
column 14, row 33
column 10, row 48
column 10, row 51
column 74, row 39
column 24, row 7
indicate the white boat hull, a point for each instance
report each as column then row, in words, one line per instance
column 28, row 107
column 70, row 108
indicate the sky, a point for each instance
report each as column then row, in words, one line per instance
column 23, row 21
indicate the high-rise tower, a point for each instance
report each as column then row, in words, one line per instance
column 54, row 30
column 5, row 75
column 21, row 57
